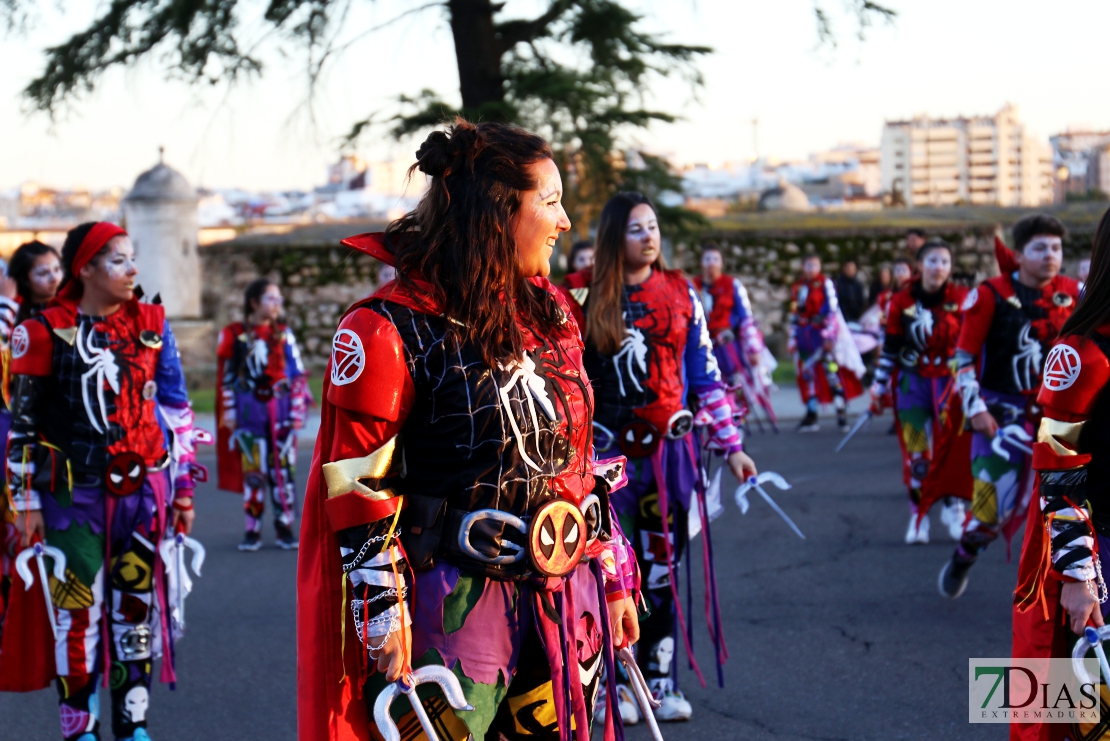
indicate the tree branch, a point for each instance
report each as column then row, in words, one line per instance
column 513, row 32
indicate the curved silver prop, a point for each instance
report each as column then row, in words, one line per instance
column 180, row 585
column 441, row 675
column 492, row 514
column 39, row 551
column 1092, row 638
column 1016, row 436
column 643, row 693
column 754, row 482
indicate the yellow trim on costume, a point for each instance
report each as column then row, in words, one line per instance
column 342, row 477
column 1052, row 432
column 67, row 334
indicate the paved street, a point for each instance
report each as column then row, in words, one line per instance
column 842, row 636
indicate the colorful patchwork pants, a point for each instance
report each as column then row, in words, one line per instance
column 490, row 635
column 659, row 552
column 87, row 526
column 818, row 373
column 1003, row 483
column 268, row 445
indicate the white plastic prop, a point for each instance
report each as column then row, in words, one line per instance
column 1091, row 638
column 177, row 576
column 640, row 688
column 754, row 482
column 39, row 551
column 1016, row 436
column 441, row 675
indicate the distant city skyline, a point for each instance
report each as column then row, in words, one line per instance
column 944, row 58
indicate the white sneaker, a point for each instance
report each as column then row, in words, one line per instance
column 917, row 533
column 626, row 705
column 953, row 516
column 673, row 706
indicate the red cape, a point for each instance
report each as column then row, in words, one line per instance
column 329, row 696
column 27, row 647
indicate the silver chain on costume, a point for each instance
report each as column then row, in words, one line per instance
column 348, row 568
column 1099, row 591
column 357, row 606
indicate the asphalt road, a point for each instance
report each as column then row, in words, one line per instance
column 840, row 636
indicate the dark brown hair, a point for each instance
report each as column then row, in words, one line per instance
column 74, row 238
column 605, row 320
column 460, row 240
column 1036, row 225
column 253, row 294
column 19, row 270
column 932, row 244
column 1093, row 310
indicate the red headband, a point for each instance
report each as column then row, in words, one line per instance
column 93, row 242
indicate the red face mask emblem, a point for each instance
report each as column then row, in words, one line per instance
column 126, row 473
column 557, row 538
column 638, row 439
column 264, row 389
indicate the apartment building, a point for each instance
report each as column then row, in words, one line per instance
column 980, row 160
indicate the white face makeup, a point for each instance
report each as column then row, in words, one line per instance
column 1041, row 258
column 583, row 259
column 902, row 273
column 270, row 304
column 711, row 262
column 111, row 277
column 45, row 275
column 935, row 269
column 812, row 267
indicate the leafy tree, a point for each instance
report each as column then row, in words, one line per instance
column 576, row 73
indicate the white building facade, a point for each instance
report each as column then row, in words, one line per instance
column 987, row 160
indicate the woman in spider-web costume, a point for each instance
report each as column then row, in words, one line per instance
column 261, row 404
column 648, row 348
column 100, row 462
column 453, row 516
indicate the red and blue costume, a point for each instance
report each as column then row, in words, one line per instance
column 815, row 328
column 458, row 500
column 737, row 342
column 102, row 443
column 641, row 394
column 262, row 403
column 1067, row 537
column 918, row 346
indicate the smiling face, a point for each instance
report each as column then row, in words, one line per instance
column 45, row 275
column 540, row 220
column 936, row 267
column 712, row 265
column 641, row 238
column 1039, row 261
column 110, row 276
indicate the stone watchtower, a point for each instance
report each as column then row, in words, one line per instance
column 160, row 214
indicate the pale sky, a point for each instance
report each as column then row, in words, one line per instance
column 942, row 57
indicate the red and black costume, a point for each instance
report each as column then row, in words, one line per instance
column 435, row 487
column 1007, row 331
column 102, row 442
column 1068, row 531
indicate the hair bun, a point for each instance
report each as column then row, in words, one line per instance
column 436, row 155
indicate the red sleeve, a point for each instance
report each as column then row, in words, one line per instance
column 367, row 369
column 978, row 309
column 226, row 346
column 1075, row 373
column 894, row 314
column 32, row 349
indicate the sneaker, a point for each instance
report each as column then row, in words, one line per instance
column 285, row 538
column 809, row 422
column 673, row 706
column 953, row 516
column 917, row 532
column 953, row 577
column 626, row 705
column 251, row 542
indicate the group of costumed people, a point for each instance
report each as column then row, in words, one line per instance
column 101, row 468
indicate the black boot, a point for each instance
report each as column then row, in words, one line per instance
column 285, row 538
column 953, row 577
column 809, row 422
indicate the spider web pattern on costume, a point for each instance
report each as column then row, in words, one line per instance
column 460, row 443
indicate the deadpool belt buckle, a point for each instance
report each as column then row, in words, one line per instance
column 638, row 439
column 557, row 538
column 125, row 474
column 264, row 390
column 680, row 423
